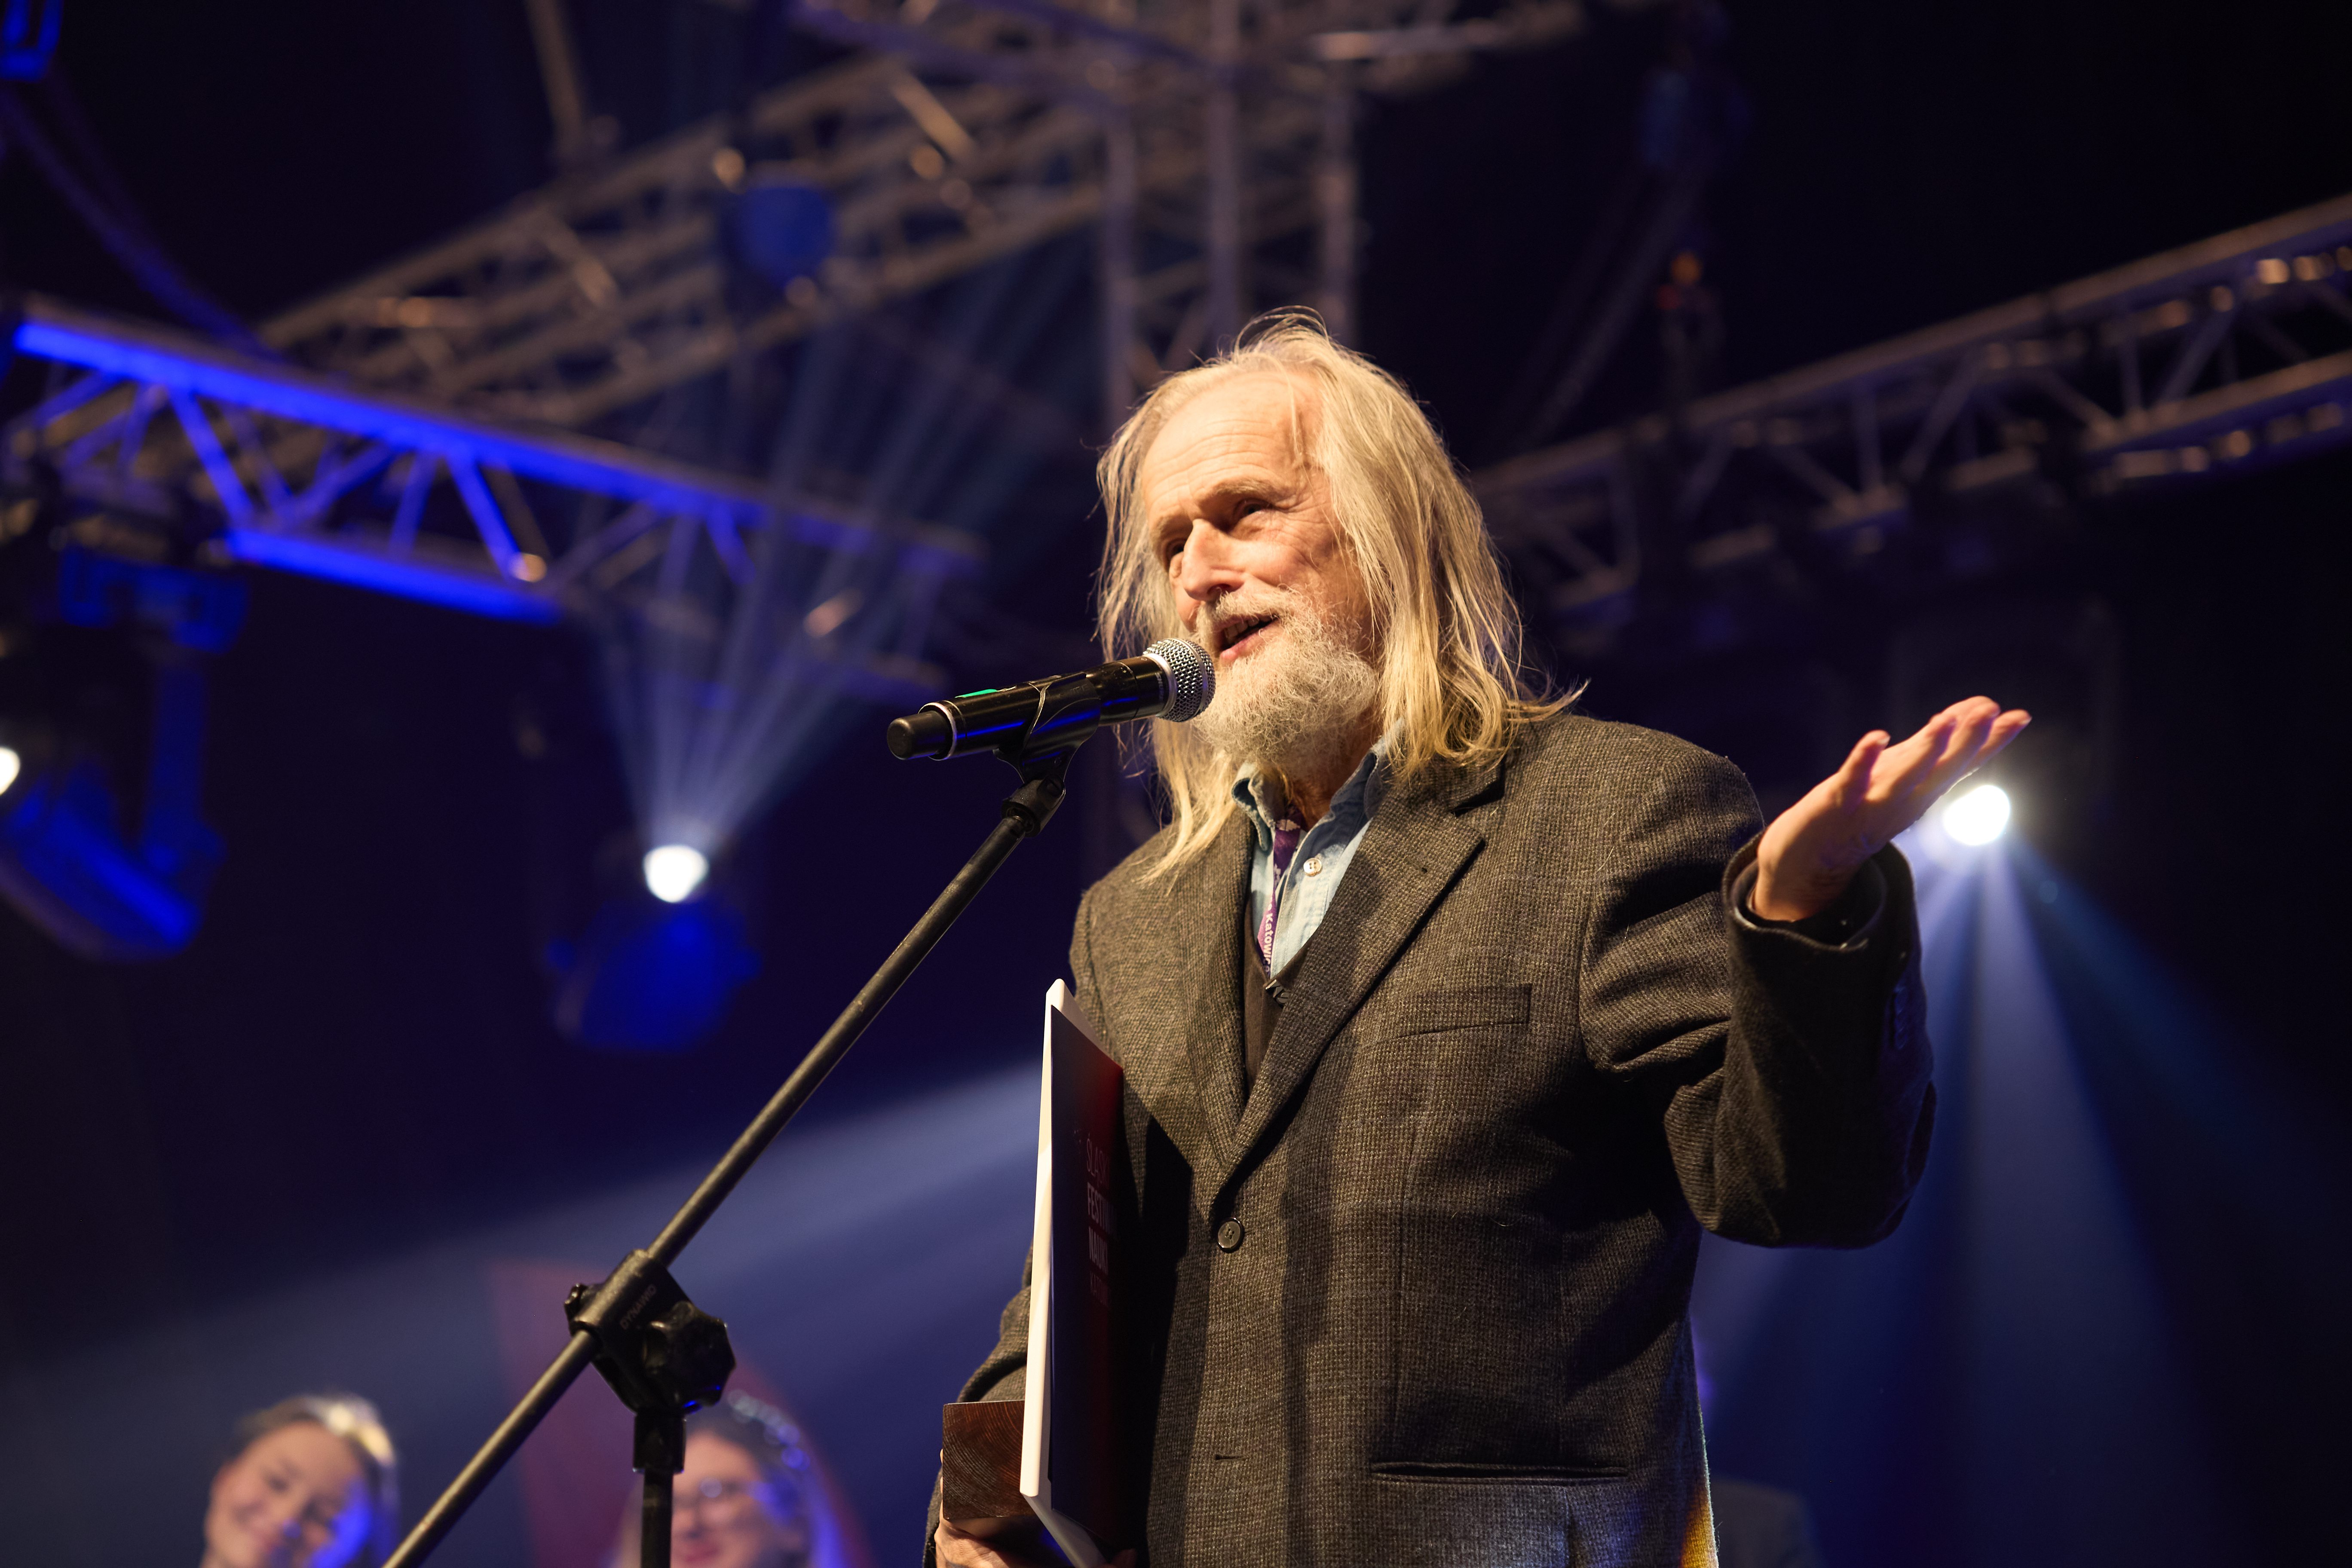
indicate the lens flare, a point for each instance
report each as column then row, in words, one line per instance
column 1979, row 816
column 673, row 871
column 11, row 764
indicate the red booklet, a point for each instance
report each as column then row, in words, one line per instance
column 1070, row 1464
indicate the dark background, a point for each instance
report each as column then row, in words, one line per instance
column 355, row 1056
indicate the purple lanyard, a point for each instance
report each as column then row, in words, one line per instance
column 1286, row 834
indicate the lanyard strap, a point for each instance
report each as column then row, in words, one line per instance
column 1286, row 834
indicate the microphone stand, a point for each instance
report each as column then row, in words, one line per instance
column 664, row 1356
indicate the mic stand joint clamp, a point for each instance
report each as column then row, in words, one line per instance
column 1042, row 785
column 664, row 1357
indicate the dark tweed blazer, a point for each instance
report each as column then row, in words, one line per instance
column 1420, row 1295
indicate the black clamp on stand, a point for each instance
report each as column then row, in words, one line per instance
column 665, row 1357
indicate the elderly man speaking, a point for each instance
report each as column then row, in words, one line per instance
column 1449, row 1016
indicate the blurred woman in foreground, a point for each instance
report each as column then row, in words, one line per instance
column 744, row 1499
column 313, row 1483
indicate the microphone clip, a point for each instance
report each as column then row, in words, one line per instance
column 1043, row 785
column 1069, row 712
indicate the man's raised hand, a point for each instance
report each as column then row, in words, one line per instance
column 1812, row 849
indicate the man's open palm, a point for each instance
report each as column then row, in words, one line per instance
column 1812, row 849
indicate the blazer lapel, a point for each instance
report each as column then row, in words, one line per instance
column 1213, row 1031
column 1190, row 1075
column 1412, row 848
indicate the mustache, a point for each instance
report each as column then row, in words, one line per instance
column 1216, row 618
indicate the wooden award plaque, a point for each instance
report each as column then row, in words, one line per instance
column 980, row 1473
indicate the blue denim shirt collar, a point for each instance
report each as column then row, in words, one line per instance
column 1295, row 873
column 1261, row 798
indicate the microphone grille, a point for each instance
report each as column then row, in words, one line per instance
column 1191, row 677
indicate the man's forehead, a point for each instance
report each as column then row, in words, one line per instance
column 1254, row 423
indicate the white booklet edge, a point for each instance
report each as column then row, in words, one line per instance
column 1036, row 1436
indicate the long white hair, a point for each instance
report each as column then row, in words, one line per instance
column 1452, row 683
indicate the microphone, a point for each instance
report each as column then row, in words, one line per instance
column 1171, row 680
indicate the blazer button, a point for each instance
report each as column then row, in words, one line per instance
column 1229, row 1235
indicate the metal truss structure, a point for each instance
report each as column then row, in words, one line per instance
column 165, row 444
column 2200, row 362
column 1213, row 146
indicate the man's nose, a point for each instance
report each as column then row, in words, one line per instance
column 1208, row 569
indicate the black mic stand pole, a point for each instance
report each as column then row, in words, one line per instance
column 663, row 1355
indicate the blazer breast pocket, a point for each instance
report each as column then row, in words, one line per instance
column 1442, row 1008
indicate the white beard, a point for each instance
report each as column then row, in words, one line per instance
column 1293, row 706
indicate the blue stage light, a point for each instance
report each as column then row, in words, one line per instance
column 782, row 228
column 651, row 976
column 28, row 38
column 103, row 844
column 1979, row 816
column 673, row 871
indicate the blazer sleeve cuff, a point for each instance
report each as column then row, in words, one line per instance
column 1845, row 926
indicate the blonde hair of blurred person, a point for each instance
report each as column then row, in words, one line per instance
column 743, row 1499
column 313, row 1483
column 1448, row 678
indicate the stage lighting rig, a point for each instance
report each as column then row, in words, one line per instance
column 780, row 228
column 627, row 969
column 1936, row 457
column 657, row 964
column 102, row 688
column 1977, row 815
column 673, row 872
column 28, row 38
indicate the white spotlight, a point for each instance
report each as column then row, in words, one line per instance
column 1979, row 816
column 11, row 764
column 673, row 871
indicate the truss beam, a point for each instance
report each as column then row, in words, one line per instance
column 2202, row 360
column 310, row 475
column 611, row 286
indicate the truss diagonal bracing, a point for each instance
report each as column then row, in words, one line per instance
column 2215, row 357
column 1213, row 148
column 290, row 469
